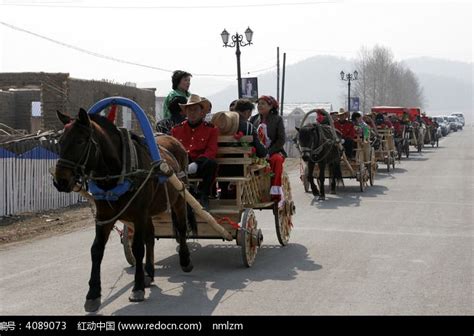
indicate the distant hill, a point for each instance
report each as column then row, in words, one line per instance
column 447, row 85
column 314, row 79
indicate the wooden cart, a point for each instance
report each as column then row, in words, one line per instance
column 386, row 152
column 235, row 215
column 363, row 167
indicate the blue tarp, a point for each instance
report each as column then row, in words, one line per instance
column 4, row 154
column 37, row 153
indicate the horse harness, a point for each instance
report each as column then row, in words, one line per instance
column 314, row 152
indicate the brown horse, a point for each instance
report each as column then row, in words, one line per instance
column 91, row 148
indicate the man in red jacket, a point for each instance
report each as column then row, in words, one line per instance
column 200, row 140
column 347, row 130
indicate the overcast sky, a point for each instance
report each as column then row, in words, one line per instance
column 187, row 36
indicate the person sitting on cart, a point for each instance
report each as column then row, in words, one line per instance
column 405, row 119
column 362, row 129
column 271, row 132
column 199, row 138
column 322, row 117
column 382, row 121
column 426, row 120
column 347, row 131
column 397, row 127
column 235, row 124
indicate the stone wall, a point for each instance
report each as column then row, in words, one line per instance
column 60, row 92
column 7, row 108
column 23, row 99
column 85, row 93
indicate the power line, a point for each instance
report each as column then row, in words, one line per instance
column 309, row 3
column 110, row 58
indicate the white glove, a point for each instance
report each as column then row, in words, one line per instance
column 192, row 168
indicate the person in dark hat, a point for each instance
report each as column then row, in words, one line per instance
column 199, row 138
column 232, row 105
column 181, row 80
column 347, row 130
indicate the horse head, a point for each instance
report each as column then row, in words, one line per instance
column 307, row 141
column 79, row 150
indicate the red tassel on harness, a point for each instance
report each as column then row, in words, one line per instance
column 112, row 113
column 223, row 220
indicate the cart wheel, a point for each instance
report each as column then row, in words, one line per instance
column 127, row 240
column 373, row 169
column 283, row 214
column 362, row 177
column 371, row 175
column 249, row 237
column 305, row 179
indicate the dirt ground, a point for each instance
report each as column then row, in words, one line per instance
column 30, row 226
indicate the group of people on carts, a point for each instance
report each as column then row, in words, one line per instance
column 185, row 119
column 366, row 127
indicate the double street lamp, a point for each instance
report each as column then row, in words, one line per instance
column 237, row 41
column 349, row 77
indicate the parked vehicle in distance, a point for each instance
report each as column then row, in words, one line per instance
column 454, row 123
column 452, row 126
column 460, row 116
column 458, row 123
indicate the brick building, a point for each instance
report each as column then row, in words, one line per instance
column 19, row 92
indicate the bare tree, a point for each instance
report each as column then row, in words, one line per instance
column 383, row 81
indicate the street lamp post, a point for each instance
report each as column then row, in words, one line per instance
column 237, row 41
column 349, row 77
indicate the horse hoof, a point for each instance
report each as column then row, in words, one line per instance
column 188, row 268
column 148, row 281
column 321, row 198
column 137, row 296
column 92, row 305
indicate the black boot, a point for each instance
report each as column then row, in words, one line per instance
column 204, row 200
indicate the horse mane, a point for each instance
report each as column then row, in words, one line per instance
column 104, row 123
column 109, row 126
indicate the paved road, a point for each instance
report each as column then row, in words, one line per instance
column 403, row 247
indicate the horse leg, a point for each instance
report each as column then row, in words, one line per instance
column 322, row 171
column 332, row 169
column 150, row 253
column 138, row 249
column 310, row 177
column 97, row 253
column 179, row 209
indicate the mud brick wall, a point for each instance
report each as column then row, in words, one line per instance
column 7, row 108
column 60, row 92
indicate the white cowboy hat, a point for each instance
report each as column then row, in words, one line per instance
column 227, row 122
column 195, row 99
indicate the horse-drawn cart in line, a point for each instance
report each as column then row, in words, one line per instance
column 363, row 167
column 236, row 216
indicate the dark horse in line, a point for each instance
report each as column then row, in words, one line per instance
column 93, row 144
column 317, row 145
